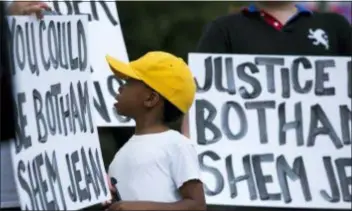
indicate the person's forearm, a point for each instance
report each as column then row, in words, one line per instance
column 186, row 204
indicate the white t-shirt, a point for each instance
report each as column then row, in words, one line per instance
column 153, row 167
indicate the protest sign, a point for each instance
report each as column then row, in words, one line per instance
column 57, row 159
column 105, row 37
column 273, row 131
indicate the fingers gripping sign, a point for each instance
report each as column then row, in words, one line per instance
column 28, row 8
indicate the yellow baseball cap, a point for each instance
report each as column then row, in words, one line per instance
column 165, row 73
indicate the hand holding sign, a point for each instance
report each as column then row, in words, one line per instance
column 127, row 205
column 28, row 8
column 112, row 189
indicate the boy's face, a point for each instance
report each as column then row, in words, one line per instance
column 134, row 98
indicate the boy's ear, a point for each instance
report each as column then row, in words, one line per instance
column 152, row 99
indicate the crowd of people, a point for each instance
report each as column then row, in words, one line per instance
column 160, row 89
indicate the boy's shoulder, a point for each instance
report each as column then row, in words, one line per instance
column 179, row 141
column 179, row 138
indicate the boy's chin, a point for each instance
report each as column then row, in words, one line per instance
column 119, row 112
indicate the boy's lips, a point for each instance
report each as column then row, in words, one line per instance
column 117, row 97
column 117, row 100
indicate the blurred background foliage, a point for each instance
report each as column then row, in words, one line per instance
column 173, row 26
column 176, row 26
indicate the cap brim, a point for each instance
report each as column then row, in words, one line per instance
column 121, row 69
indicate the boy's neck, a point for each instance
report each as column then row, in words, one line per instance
column 148, row 126
column 281, row 11
column 276, row 6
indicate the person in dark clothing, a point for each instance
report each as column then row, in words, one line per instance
column 7, row 124
column 8, row 193
column 278, row 28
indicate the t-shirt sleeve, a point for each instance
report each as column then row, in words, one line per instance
column 184, row 164
column 213, row 40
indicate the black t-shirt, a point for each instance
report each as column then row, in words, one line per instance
column 308, row 34
column 7, row 130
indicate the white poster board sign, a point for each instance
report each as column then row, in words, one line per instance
column 57, row 159
column 105, row 37
column 273, row 131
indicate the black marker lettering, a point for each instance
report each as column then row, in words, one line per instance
column 35, row 183
column 54, row 178
column 42, row 128
column 248, row 175
column 72, row 190
column 269, row 64
column 349, row 79
column 65, row 113
column 19, row 47
column 75, row 111
column 62, row 50
column 32, row 55
column 296, row 124
column 208, row 76
column 21, row 169
column 262, row 179
column 225, row 121
column 73, row 61
column 88, row 176
column 53, row 45
column 83, row 96
column 206, row 122
column 285, row 83
column 346, row 124
column 321, row 76
column 46, row 62
column 67, row 4
column 295, row 77
column 82, row 46
column 97, row 170
column 218, row 76
column 55, row 91
column 107, row 12
column 345, row 181
column 257, row 89
column 317, row 114
column 100, row 104
column 50, row 113
column 298, row 172
column 260, row 107
column 23, row 140
column 335, row 194
column 219, row 185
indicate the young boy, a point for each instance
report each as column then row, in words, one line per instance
column 157, row 169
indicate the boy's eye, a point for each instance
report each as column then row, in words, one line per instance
column 128, row 81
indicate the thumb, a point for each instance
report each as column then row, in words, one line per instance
column 111, row 187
